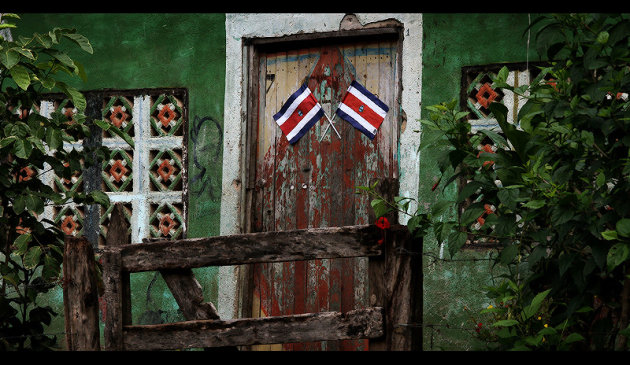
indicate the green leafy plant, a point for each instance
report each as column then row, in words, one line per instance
column 549, row 190
column 31, row 248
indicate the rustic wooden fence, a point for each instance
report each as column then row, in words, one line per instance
column 390, row 323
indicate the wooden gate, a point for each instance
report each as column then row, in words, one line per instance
column 391, row 322
column 312, row 183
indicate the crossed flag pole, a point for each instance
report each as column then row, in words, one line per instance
column 330, row 122
column 364, row 110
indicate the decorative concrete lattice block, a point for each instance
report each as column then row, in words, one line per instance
column 148, row 177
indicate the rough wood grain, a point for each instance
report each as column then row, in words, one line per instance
column 395, row 281
column 117, row 294
column 113, row 298
column 188, row 294
column 305, row 244
column 80, row 295
column 396, row 285
column 362, row 323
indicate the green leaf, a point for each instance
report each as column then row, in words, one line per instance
column 63, row 58
column 82, row 41
column 413, row 223
column 468, row 190
column 617, row 254
column 43, row 39
column 502, row 75
column 600, row 180
column 455, row 241
column 534, row 306
column 31, row 257
column 470, row 215
column 19, row 204
column 77, row 97
column 51, row 268
column 609, row 235
column 109, row 127
column 573, row 337
column 12, row 278
column 495, row 137
column 380, row 207
column 9, row 58
column 439, row 207
column 34, row 204
column 53, row 138
column 21, row 76
column 623, row 227
column 21, row 243
column 508, row 253
column 505, row 323
column 99, row 197
column 11, row 15
column 518, row 138
column 7, row 141
column 534, row 204
column 24, row 52
column 602, row 37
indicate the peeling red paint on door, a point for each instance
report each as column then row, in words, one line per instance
column 312, row 183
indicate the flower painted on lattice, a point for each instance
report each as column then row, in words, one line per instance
column 69, row 219
column 166, row 170
column 167, row 116
column 166, row 221
column 26, row 173
column 117, row 171
column 481, row 93
column 118, row 112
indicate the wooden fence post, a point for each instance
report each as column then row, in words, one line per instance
column 396, row 281
column 117, row 294
column 80, row 295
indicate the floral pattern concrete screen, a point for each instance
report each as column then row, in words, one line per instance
column 478, row 92
column 148, row 177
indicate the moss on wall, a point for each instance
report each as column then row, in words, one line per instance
column 452, row 41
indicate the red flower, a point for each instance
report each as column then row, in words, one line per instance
column 380, row 242
column 382, row 223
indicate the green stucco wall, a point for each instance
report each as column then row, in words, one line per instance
column 146, row 50
column 165, row 50
column 452, row 41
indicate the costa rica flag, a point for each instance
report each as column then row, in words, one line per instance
column 300, row 112
column 362, row 109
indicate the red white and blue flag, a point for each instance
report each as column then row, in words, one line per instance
column 299, row 114
column 362, row 109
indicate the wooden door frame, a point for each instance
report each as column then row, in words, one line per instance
column 246, row 35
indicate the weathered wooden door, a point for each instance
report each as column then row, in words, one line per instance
column 312, row 183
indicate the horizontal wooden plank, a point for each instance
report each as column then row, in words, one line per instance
column 355, row 324
column 294, row 245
